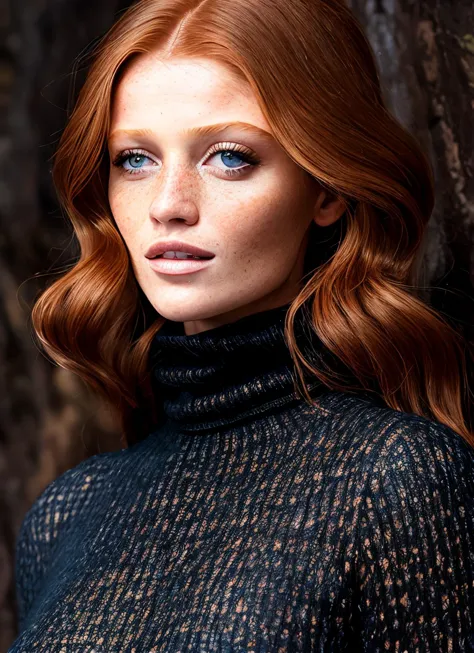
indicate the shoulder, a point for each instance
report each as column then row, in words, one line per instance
column 411, row 551
column 381, row 438
column 415, row 475
column 63, row 499
column 65, row 506
column 389, row 460
column 48, row 521
column 77, row 490
column 425, row 453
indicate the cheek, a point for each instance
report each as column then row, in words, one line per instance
column 117, row 203
column 266, row 226
column 125, row 214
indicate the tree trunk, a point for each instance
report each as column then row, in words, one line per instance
column 425, row 52
column 49, row 421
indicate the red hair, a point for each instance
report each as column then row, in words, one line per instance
column 314, row 76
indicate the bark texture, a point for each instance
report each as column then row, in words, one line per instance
column 425, row 52
column 49, row 421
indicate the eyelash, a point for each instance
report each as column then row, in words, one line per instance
column 247, row 156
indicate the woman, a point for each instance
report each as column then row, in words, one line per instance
column 299, row 474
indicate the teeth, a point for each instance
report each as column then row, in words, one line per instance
column 177, row 255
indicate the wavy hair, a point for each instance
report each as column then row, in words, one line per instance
column 314, row 75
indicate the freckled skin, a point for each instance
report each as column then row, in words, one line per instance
column 256, row 223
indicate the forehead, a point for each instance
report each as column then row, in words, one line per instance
column 184, row 92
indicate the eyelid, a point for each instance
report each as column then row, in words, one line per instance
column 223, row 145
column 123, row 154
column 231, row 146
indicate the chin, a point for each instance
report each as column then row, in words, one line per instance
column 175, row 314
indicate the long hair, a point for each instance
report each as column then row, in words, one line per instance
column 314, row 75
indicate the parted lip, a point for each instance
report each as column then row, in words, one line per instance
column 176, row 246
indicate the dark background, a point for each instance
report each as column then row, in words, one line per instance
column 49, row 421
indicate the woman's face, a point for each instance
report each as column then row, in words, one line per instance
column 250, row 208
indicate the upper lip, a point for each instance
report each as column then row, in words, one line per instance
column 175, row 246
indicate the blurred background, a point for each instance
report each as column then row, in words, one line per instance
column 49, row 420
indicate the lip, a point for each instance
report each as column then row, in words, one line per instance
column 175, row 246
column 178, row 266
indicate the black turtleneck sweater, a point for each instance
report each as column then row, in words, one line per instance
column 250, row 520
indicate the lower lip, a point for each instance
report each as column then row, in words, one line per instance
column 178, row 266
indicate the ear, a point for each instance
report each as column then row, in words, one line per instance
column 328, row 208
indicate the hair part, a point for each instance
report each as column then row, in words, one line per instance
column 329, row 115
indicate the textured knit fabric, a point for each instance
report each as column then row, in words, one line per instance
column 251, row 521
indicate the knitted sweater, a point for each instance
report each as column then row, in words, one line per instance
column 250, row 520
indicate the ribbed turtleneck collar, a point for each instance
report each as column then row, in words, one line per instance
column 227, row 374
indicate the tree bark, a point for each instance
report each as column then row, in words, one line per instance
column 425, row 53
column 49, row 420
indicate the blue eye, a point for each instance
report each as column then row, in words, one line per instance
column 231, row 157
column 134, row 160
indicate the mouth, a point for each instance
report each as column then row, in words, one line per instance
column 182, row 256
column 175, row 265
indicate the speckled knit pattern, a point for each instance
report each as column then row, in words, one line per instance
column 250, row 521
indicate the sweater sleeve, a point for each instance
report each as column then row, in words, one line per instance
column 43, row 526
column 415, row 544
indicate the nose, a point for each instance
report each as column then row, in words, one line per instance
column 175, row 195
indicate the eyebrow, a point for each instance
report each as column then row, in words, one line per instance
column 205, row 130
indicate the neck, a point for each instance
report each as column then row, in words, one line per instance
column 228, row 374
column 193, row 327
